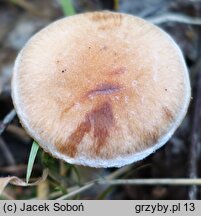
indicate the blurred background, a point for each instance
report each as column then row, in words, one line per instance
column 180, row 158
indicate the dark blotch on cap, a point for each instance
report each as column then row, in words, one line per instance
column 167, row 114
column 104, row 89
column 101, row 119
column 70, row 147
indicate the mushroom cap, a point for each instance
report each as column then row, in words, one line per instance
column 101, row 89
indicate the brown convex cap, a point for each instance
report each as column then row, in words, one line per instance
column 101, row 89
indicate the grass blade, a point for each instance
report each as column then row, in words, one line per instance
column 32, row 156
column 116, row 5
column 67, row 7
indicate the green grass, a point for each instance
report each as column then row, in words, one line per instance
column 67, row 7
column 32, row 157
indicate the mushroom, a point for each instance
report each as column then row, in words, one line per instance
column 101, row 89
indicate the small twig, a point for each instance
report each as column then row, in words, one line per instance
column 19, row 132
column 62, row 168
column 43, row 190
column 8, row 118
column 7, row 196
column 118, row 172
column 179, row 182
column 6, row 152
column 173, row 17
column 77, row 191
column 194, row 142
column 171, row 182
column 89, row 185
column 27, row 6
